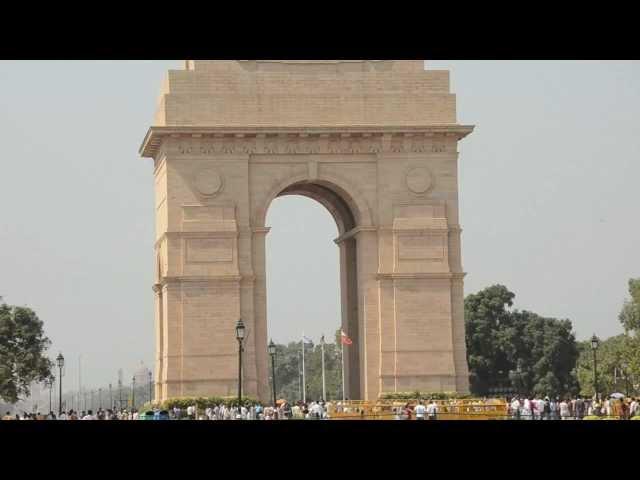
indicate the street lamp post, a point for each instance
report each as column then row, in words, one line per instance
column 110, row 397
column 100, row 398
column 272, row 352
column 595, row 342
column 625, row 371
column 240, row 331
column 49, row 384
column 133, row 392
column 92, row 407
column 150, row 386
column 60, row 361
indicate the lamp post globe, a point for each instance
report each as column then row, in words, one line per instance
column 240, row 330
column 60, row 363
column 272, row 351
column 240, row 333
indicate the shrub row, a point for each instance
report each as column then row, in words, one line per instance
column 417, row 395
column 200, row 402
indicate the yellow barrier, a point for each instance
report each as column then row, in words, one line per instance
column 468, row 409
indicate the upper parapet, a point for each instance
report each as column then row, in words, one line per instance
column 305, row 93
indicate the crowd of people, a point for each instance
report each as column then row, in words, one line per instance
column 538, row 408
column 315, row 410
column 518, row 408
column 283, row 410
column 100, row 414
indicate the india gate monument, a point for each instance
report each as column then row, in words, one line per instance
column 375, row 142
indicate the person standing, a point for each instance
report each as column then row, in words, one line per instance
column 89, row 416
column 546, row 409
column 515, row 408
column 565, row 413
column 540, row 408
column 432, row 409
column 526, row 409
column 554, row 406
column 421, row 411
column 579, row 408
column 407, row 411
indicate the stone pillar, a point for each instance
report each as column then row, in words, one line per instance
column 159, row 367
column 260, row 312
column 369, row 315
column 350, row 318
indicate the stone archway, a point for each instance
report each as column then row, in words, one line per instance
column 375, row 143
column 348, row 215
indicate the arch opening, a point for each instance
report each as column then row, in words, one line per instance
column 346, row 216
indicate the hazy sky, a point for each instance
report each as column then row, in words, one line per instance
column 549, row 194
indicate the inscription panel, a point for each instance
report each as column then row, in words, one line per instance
column 421, row 247
column 209, row 250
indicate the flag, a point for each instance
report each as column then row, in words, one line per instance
column 344, row 338
column 306, row 339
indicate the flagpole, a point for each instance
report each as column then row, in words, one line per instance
column 299, row 378
column 324, row 385
column 304, row 383
column 342, row 356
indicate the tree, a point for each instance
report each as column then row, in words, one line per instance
column 486, row 350
column 534, row 354
column 289, row 367
column 630, row 313
column 22, row 352
column 630, row 319
column 612, row 356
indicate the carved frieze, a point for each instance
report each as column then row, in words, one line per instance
column 295, row 144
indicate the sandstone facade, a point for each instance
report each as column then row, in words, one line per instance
column 376, row 143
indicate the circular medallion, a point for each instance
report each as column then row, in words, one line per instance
column 419, row 180
column 208, row 182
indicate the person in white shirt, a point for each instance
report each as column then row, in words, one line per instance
column 316, row 410
column 432, row 410
column 564, row 410
column 633, row 408
column 540, row 407
column 420, row 411
column 515, row 407
column 526, row 409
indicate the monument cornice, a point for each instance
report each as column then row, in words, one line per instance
column 249, row 139
column 201, row 279
column 420, row 275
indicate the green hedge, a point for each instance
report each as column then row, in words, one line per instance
column 203, row 402
column 417, row 395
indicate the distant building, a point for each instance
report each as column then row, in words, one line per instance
column 142, row 374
